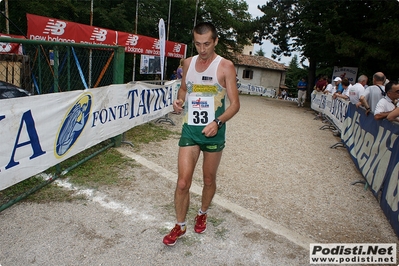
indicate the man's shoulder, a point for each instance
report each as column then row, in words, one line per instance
column 376, row 87
column 226, row 62
column 383, row 101
column 188, row 59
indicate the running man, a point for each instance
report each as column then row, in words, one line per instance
column 207, row 78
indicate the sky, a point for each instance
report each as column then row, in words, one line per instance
column 266, row 46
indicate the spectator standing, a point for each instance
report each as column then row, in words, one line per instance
column 179, row 71
column 174, row 75
column 302, row 86
column 372, row 94
column 329, row 88
column 284, row 94
column 394, row 115
column 345, row 93
column 358, row 89
column 338, row 85
column 387, row 104
column 321, row 84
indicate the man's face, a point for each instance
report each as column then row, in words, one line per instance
column 394, row 92
column 205, row 45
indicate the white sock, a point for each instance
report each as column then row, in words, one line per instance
column 182, row 225
column 200, row 212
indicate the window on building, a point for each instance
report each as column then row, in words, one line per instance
column 247, row 74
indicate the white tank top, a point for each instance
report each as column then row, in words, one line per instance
column 205, row 98
column 207, row 77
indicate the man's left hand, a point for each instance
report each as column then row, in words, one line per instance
column 210, row 130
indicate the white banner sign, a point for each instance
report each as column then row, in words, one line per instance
column 345, row 72
column 257, row 90
column 335, row 109
column 43, row 130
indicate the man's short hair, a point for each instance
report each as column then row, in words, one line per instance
column 205, row 27
column 378, row 77
column 362, row 78
column 389, row 85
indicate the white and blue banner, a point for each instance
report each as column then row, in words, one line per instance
column 345, row 72
column 373, row 146
column 43, row 130
column 257, row 90
column 334, row 109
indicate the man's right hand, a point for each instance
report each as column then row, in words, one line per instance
column 178, row 105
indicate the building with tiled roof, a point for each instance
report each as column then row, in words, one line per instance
column 260, row 71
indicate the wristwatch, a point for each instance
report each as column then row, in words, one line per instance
column 219, row 123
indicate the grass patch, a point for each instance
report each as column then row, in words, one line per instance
column 188, row 254
column 189, row 240
column 102, row 170
column 221, row 233
column 164, row 231
column 148, row 133
column 46, row 194
column 215, row 221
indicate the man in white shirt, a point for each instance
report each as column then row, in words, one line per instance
column 358, row 89
column 345, row 93
column 372, row 94
column 329, row 88
column 387, row 104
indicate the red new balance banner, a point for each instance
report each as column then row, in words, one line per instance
column 50, row 29
column 11, row 48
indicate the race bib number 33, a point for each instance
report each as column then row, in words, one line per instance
column 201, row 110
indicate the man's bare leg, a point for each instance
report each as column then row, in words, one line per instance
column 209, row 169
column 188, row 157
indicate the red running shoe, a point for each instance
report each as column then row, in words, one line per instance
column 200, row 224
column 171, row 238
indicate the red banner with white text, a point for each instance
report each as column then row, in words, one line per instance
column 11, row 48
column 51, row 29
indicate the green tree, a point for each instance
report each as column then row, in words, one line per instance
column 294, row 74
column 232, row 21
column 260, row 52
column 339, row 33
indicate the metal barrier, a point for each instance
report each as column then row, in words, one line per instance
column 47, row 67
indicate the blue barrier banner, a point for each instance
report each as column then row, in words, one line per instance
column 374, row 148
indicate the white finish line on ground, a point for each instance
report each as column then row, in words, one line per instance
column 292, row 236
